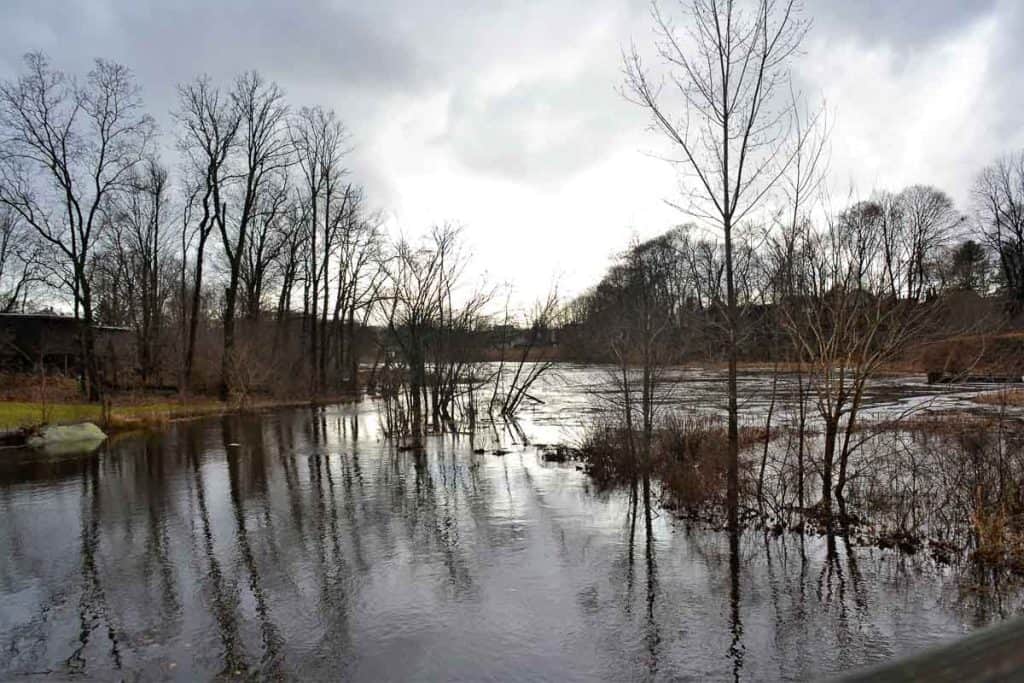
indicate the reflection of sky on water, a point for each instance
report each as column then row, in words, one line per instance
column 313, row 549
column 574, row 395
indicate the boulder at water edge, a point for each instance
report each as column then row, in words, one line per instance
column 85, row 437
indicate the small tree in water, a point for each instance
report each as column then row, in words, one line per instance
column 427, row 327
column 727, row 71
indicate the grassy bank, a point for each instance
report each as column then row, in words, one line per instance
column 17, row 416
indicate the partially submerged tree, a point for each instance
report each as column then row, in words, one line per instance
column 525, row 370
column 643, row 341
column 844, row 325
column 428, row 324
column 727, row 70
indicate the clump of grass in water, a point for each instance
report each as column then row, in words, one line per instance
column 999, row 538
column 688, row 456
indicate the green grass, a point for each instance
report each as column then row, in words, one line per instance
column 14, row 415
column 18, row 415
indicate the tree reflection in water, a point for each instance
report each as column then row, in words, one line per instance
column 297, row 545
column 735, row 622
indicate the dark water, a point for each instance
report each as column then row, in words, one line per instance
column 298, row 545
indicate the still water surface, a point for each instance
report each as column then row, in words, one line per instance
column 299, row 545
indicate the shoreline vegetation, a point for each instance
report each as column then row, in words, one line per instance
column 22, row 410
column 687, row 463
column 21, row 407
column 944, row 484
column 18, row 419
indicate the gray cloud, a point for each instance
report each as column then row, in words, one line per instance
column 454, row 107
column 902, row 24
column 543, row 130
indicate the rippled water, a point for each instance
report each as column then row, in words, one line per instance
column 299, row 545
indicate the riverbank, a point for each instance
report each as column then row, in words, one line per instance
column 19, row 418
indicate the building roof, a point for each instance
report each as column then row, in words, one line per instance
column 57, row 317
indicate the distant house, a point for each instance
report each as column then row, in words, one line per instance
column 30, row 341
column 509, row 336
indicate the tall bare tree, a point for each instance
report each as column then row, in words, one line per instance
column 269, row 237
column 359, row 282
column 918, row 223
column 69, row 147
column 726, row 71
column 139, row 243
column 999, row 200
column 320, row 140
column 208, row 128
column 264, row 154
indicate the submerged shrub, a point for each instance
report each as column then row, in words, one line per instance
column 692, row 457
column 688, row 457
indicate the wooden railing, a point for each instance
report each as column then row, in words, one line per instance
column 991, row 654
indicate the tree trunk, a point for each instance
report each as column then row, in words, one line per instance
column 831, row 430
column 94, row 390
column 324, row 327
column 844, row 452
column 733, row 485
column 801, row 433
column 767, row 441
column 353, row 354
column 416, row 391
column 227, row 361
column 193, row 323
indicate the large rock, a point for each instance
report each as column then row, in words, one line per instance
column 84, row 437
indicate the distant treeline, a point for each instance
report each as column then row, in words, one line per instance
column 913, row 252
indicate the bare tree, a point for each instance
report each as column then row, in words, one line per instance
column 420, row 310
column 69, row 147
column 319, row 140
column 208, row 128
column 644, row 343
column 844, row 326
column 20, row 258
column 359, row 282
column 786, row 251
column 999, row 204
column 264, row 152
column 539, row 321
column 138, row 243
column 290, row 258
column 917, row 228
column 269, row 237
column 727, row 70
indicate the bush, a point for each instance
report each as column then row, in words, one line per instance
column 689, row 457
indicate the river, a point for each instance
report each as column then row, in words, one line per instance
column 299, row 544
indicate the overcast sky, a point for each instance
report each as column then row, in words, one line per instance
column 503, row 115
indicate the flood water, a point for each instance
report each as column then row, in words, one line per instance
column 300, row 545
